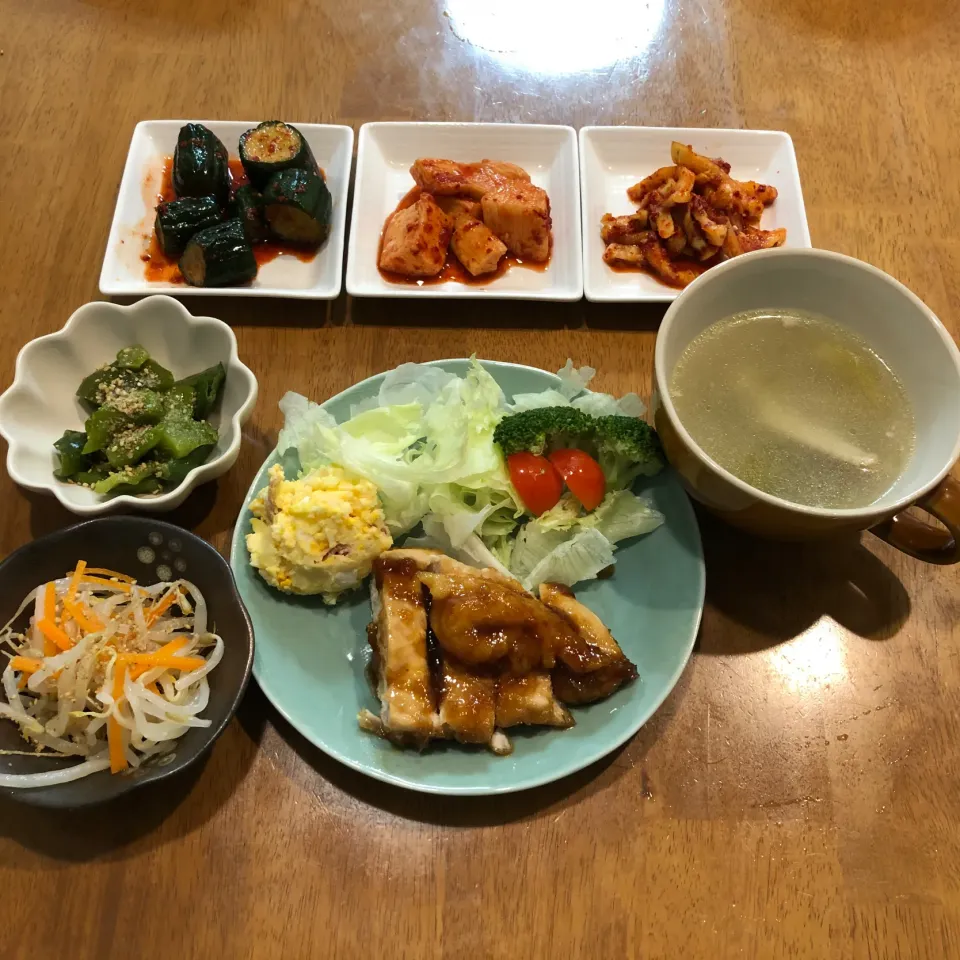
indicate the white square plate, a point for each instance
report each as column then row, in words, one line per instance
column 384, row 156
column 614, row 158
column 287, row 276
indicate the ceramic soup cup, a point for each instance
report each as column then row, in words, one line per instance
column 905, row 334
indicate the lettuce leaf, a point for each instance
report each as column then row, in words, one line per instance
column 572, row 559
column 565, row 542
column 573, row 392
column 471, row 550
column 622, row 515
column 428, row 449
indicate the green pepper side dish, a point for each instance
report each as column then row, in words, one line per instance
column 146, row 430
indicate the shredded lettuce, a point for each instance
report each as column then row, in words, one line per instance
column 429, row 448
column 576, row 544
column 541, row 556
column 573, row 380
column 573, row 392
column 622, row 514
column 471, row 550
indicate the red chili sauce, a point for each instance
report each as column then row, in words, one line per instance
column 158, row 267
column 453, row 269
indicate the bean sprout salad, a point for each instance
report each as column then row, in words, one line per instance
column 106, row 670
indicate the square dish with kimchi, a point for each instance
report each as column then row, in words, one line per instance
column 466, row 210
column 628, row 257
column 310, row 274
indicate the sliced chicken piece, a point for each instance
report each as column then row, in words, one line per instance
column 415, row 240
column 633, row 228
column 448, row 178
column 476, row 246
column 436, row 561
column 519, row 214
column 577, row 688
column 595, row 648
column 456, row 207
column 441, row 563
column 625, row 253
column 398, row 636
column 481, row 622
column 467, row 702
column 529, row 699
column 422, row 557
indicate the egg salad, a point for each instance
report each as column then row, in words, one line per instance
column 317, row 535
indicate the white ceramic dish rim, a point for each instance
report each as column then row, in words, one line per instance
column 145, row 287
column 465, row 292
column 539, row 781
column 668, row 294
column 867, row 513
column 209, row 470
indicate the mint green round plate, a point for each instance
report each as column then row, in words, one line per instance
column 310, row 659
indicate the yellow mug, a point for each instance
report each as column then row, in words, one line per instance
column 899, row 327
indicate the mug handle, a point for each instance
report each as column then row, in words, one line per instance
column 919, row 539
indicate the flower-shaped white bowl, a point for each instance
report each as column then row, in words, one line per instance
column 41, row 402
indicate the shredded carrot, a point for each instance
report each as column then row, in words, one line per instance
column 75, row 578
column 161, row 606
column 111, row 574
column 169, row 648
column 120, row 585
column 165, row 652
column 26, row 664
column 53, row 633
column 49, row 647
column 50, row 603
column 88, row 622
column 153, row 688
column 118, row 757
column 22, row 682
column 154, row 660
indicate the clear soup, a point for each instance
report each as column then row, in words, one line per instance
column 795, row 405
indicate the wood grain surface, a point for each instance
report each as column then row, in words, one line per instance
column 797, row 795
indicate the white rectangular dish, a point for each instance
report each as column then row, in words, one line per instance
column 319, row 278
column 385, row 153
column 614, row 158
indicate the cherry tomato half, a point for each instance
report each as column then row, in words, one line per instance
column 536, row 480
column 582, row 474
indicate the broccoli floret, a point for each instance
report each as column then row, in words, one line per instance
column 544, row 429
column 627, row 448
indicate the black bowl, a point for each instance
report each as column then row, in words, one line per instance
column 141, row 548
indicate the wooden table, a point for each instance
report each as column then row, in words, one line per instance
column 798, row 795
